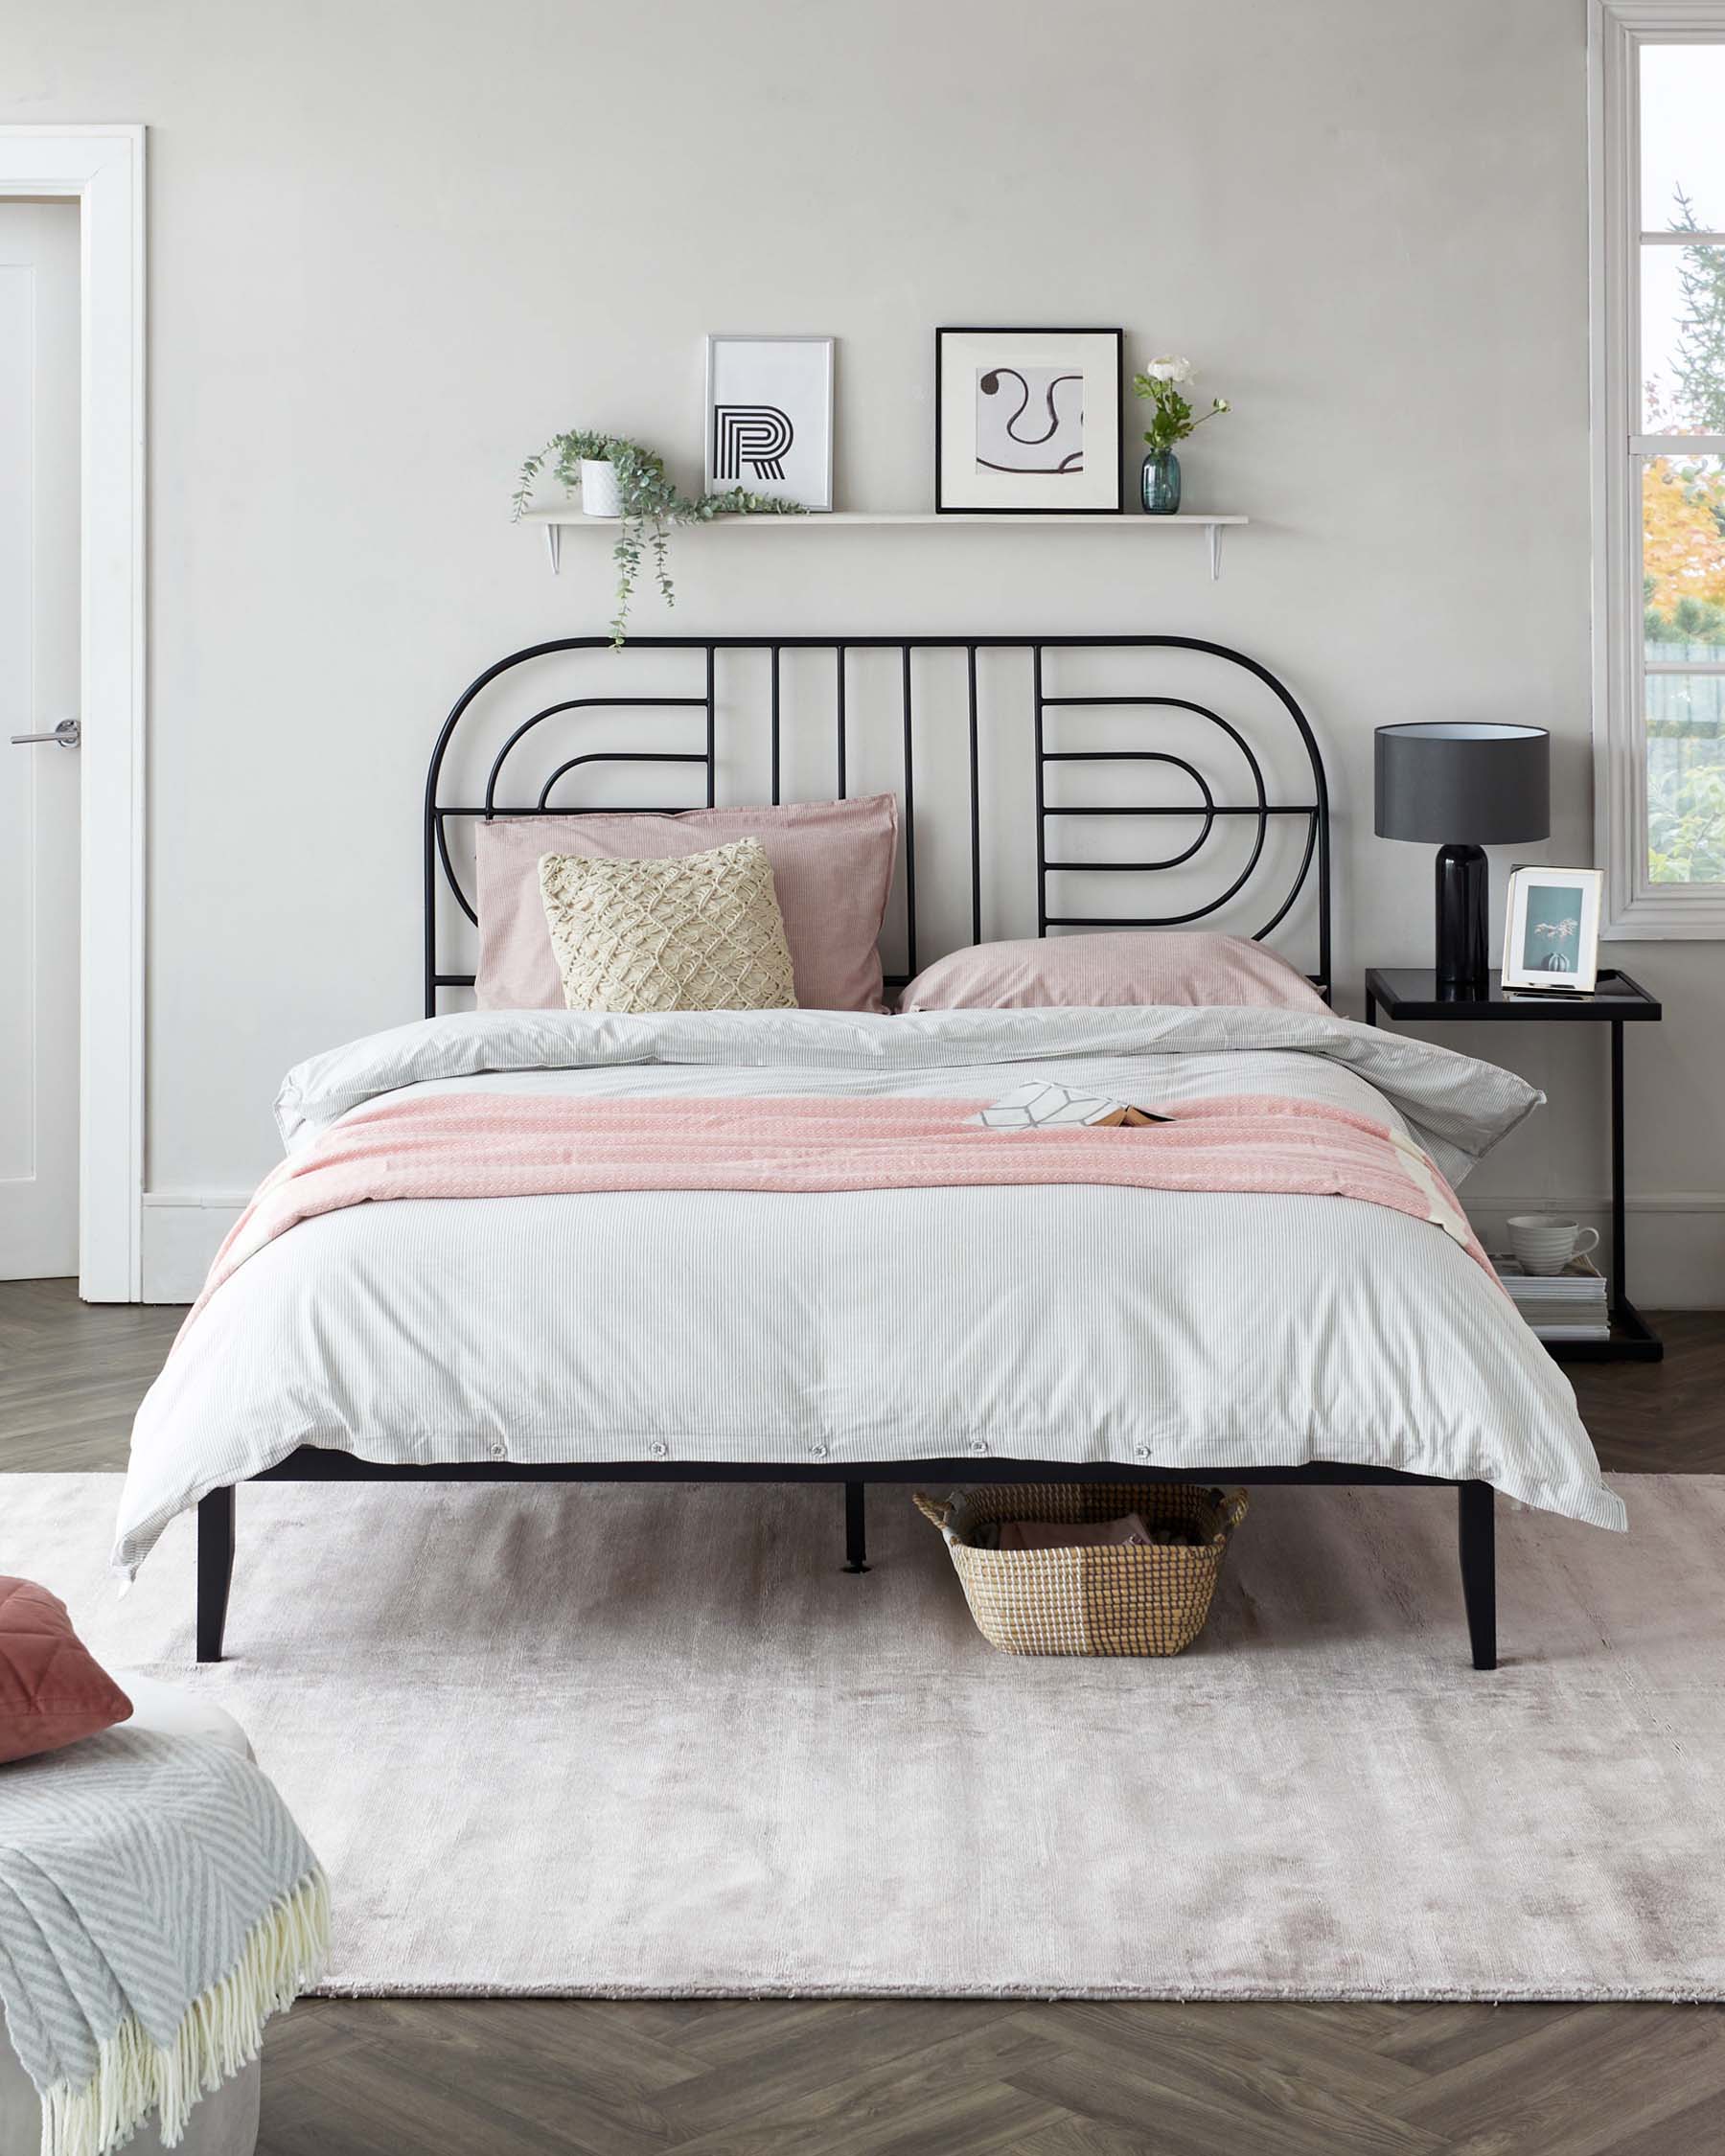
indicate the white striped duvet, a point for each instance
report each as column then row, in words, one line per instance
column 1077, row 1323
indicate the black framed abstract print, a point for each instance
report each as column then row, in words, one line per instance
column 1027, row 421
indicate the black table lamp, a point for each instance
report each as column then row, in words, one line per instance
column 1460, row 788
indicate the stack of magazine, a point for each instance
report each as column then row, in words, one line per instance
column 1559, row 1306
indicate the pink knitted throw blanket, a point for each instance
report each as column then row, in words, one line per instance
column 503, row 1145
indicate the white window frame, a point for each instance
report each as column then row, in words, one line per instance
column 1635, row 906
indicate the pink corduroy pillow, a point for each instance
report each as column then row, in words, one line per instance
column 832, row 869
column 1128, row 966
column 52, row 1691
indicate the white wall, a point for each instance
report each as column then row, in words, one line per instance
column 394, row 246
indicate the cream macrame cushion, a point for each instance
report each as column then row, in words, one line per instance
column 700, row 933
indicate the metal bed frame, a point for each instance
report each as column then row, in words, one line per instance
column 1475, row 1516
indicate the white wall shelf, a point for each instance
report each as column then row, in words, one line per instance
column 555, row 521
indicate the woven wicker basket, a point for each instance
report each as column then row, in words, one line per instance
column 1117, row 1599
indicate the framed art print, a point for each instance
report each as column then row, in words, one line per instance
column 1551, row 928
column 769, row 417
column 1027, row 421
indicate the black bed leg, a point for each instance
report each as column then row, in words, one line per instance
column 1477, row 1540
column 856, row 1539
column 215, row 1570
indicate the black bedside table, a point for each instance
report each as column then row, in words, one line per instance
column 1617, row 1002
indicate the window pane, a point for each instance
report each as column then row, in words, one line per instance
column 1682, row 148
column 1682, row 558
column 1686, row 778
column 1683, row 497
column 1683, row 340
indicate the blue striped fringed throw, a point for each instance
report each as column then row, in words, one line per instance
column 158, row 1905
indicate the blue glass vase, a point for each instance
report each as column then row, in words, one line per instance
column 1162, row 483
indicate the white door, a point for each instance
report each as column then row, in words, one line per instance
column 38, row 784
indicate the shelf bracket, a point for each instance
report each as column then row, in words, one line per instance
column 554, row 543
column 1215, row 551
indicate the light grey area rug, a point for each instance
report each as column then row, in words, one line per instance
column 654, row 1740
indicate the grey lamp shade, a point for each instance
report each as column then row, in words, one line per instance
column 1448, row 783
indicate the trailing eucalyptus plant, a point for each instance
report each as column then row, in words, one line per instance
column 651, row 504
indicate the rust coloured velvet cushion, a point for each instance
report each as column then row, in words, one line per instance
column 52, row 1691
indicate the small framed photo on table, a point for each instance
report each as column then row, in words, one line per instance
column 1552, row 930
column 1027, row 421
column 770, row 418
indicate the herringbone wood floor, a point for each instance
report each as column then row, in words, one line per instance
column 946, row 2078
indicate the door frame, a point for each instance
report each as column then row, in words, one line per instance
column 102, row 167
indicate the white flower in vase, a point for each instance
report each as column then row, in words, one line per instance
column 1162, row 385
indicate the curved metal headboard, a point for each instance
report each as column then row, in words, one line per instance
column 1262, row 807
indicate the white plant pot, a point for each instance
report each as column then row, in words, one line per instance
column 600, row 494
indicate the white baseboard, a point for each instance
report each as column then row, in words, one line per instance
column 182, row 1232
column 1599, row 1201
column 1676, row 1239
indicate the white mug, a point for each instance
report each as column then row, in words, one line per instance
column 1545, row 1243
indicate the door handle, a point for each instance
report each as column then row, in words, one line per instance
column 68, row 733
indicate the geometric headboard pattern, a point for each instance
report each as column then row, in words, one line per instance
column 1120, row 738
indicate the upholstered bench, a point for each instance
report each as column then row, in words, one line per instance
column 223, row 2125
